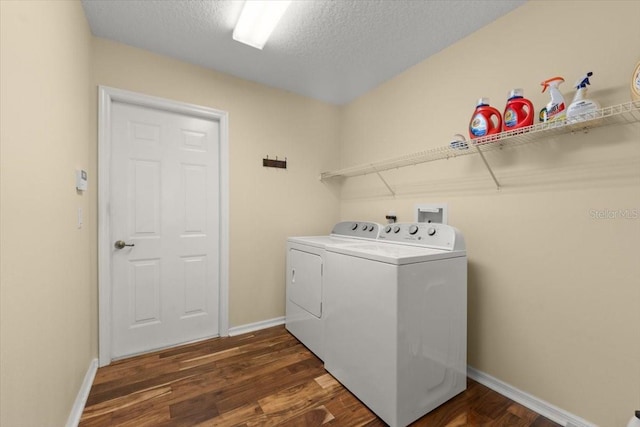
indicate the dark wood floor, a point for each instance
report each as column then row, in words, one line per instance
column 265, row 378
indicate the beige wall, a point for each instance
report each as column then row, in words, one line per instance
column 51, row 67
column 47, row 262
column 266, row 205
column 553, row 292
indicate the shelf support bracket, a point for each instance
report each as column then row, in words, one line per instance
column 393, row 193
column 488, row 168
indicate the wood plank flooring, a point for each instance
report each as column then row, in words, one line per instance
column 265, row 378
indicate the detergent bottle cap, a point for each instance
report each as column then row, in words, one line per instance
column 553, row 81
column 584, row 81
column 483, row 101
column 516, row 93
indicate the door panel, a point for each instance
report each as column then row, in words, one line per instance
column 145, row 215
column 144, row 296
column 165, row 201
column 306, row 281
column 195, row 285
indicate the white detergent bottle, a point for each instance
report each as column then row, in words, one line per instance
column 635, row 83
column 635, row 420
column 556, row 109
column 582, row 108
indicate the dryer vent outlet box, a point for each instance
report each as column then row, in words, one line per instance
column 436, row 213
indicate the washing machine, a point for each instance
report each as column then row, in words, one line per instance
column 304, row 317
column 395, row 319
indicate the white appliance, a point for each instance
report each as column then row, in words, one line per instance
column 395, row 319
column 305, row 279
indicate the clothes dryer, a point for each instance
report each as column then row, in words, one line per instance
column 395, row 331
column 305, row 279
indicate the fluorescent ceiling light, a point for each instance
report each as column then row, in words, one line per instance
column 257, row 21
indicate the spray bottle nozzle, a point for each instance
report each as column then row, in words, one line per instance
column 584, row 81
column 554, row 81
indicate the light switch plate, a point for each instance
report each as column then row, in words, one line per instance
column 81, row 180
column 80, row 218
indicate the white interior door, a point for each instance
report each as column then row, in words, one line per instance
column 164, row 203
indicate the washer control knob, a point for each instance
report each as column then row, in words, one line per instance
column 396, row 229
column 413, row 229
column 354, row 227
column 365, row 227
column 387, row 229
column 431, row 231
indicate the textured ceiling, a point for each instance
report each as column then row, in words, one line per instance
column 333, row 51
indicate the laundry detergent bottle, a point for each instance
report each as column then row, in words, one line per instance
column 635, row 83
column 486, row 120
column 518, row 113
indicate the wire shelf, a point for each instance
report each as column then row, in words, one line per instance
column 621, row 114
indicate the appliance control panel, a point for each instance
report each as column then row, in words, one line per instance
column 440, row 236
column 368, row 230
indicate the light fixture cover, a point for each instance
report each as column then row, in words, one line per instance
column 257, row 21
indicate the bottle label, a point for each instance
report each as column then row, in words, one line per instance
column 510, row 118
column 543, row 115
column 556, row 111
column 478, row 125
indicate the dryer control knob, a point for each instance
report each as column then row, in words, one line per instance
column 365, row 227
column 413, row 229
column 396, row 229
column 431, row 231
column 354, row 226
column 387, row 229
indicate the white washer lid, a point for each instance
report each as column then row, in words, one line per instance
column 321, row 241
column 394, row 254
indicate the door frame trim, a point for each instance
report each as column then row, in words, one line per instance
column 106, row 97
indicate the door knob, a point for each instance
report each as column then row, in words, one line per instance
column 120, row 244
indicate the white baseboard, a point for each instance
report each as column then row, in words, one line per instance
column 251, row 327
column 540, row 406
column 83, row 394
